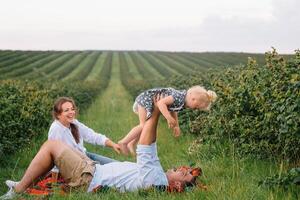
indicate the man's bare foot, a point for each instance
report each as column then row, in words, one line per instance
column 124, row 149
column 131, row 148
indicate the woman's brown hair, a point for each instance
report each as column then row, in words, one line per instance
column 57, row 110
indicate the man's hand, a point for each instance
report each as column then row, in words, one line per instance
column 157, row 97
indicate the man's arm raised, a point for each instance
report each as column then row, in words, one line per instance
column 149, row 132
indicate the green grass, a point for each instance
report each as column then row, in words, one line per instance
column 111, row 113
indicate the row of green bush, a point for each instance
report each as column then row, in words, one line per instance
column 132, row 85
column 258, row 108
column 25, row 108
column 24, row 113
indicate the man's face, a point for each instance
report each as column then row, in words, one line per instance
column 182, row 175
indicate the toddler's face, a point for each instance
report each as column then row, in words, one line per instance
column 198, row 102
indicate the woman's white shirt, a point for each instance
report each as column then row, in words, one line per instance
column 58, row 131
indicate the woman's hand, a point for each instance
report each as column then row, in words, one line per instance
column 113, row 145
column 117, row 148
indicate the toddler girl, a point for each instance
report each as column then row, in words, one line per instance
column 171, row 101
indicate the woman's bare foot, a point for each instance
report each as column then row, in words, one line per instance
column 124, row 149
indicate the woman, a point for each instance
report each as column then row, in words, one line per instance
column 69, row 130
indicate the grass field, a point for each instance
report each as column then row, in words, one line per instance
column 227, row 175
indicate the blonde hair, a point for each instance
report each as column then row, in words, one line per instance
column 210, row 95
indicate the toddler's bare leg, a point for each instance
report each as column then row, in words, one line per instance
column 135, row 133
column 132, row 145
column 132, row 135
column 41, row 163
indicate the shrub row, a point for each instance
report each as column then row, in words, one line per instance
column 184, row 61
column 47, row 71
column 83, row 74
column 141, row 66
column 24, row 113
column 156, row 64
column 69, row 66
column 182, row 69
column 284, row 180
column 25, row 108
column 26, row 60
column 133, row 86
column 105, row 72
column 31, row 67
column 258, row 108
column 12, row 58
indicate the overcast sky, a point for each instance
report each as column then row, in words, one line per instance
column 168, row 25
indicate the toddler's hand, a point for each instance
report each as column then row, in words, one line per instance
column 176, row 131
column 171, row 123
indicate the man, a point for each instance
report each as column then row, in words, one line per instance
column 80, row 172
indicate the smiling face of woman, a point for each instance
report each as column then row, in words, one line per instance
column 67, row 114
